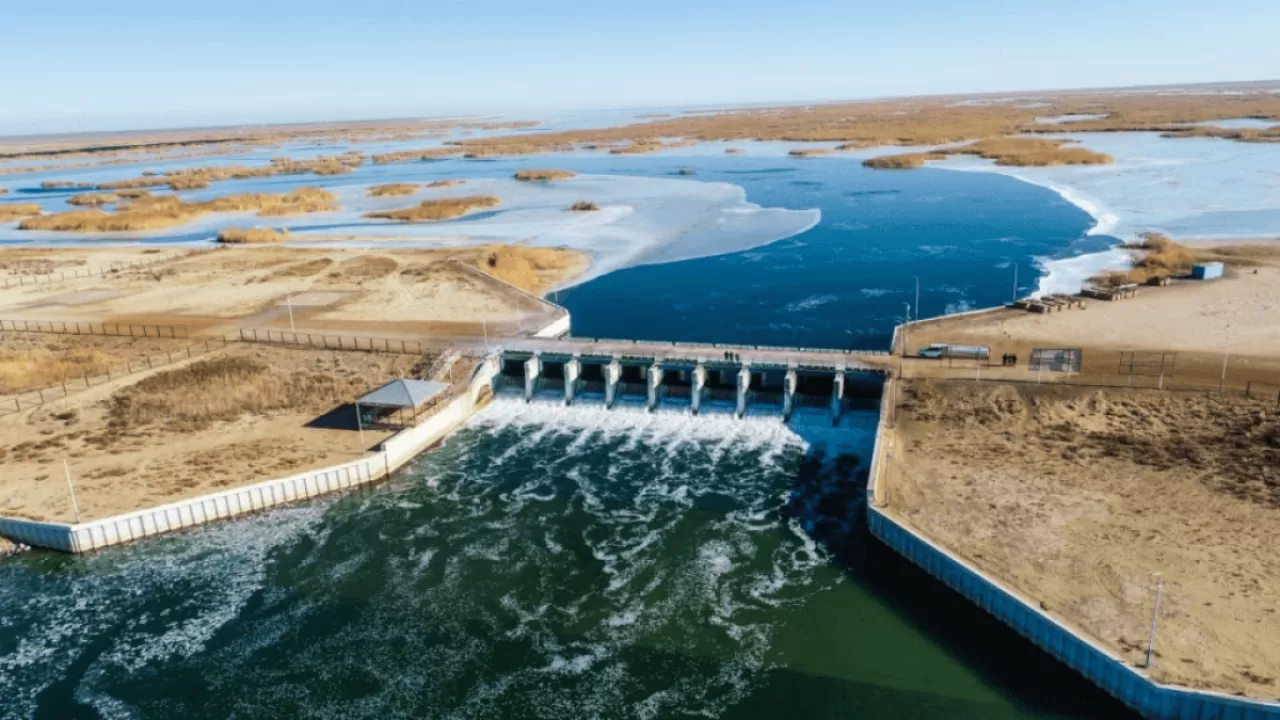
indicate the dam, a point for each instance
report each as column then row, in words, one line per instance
column 686, row 378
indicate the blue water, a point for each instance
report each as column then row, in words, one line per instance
column 845, row 282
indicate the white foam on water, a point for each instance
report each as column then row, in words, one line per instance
column 223, row 565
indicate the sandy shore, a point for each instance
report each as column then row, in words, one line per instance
column 445, row 290
column 1075, row 496
column 1190, row 327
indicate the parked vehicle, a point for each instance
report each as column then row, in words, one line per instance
column 946, row 350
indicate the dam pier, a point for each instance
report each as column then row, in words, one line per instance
column 672, row 377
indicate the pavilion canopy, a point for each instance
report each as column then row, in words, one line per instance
column 403, row 393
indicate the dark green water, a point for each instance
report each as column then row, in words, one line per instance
column 544, row 563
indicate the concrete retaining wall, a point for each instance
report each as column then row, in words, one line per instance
column 559, row 328
column 395, row 452
column 1096, row 663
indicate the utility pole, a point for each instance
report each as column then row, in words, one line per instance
column 289, row 300
column 71, row 489
column 1155, row 611
column 905, row 322
column 917, row 277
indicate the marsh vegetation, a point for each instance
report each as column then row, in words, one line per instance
column 440, row 209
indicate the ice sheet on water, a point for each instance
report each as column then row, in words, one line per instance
column 642, row 220
column 1188, row 188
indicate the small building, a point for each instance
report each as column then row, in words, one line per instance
column 1206, row 271
column 399, row 401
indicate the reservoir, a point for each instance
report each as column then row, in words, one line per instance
column 575, row 563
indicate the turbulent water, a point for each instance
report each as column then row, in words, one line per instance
column 544, row 563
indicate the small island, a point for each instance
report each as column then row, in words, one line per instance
column 442, row 209
column 543, row 175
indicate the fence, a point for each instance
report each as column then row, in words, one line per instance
column 1228, row 386
column 333, row 342
column 35, row 398
column 77, row 327
column 115, row 268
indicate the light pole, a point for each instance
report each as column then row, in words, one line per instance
column 1155, row 611
column 917, row 277
column 289, row 300
column 905, row 322
column 1015, row 282
column 71, row 489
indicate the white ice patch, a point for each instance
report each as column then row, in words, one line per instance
column 641, row 220
column 1189, row 188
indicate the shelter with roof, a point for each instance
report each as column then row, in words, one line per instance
column 399, row 401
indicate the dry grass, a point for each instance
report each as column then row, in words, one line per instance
column 215, row 390
column 411, row 155
column 252, row 236
column 923, row 121
column 132, row 193
column 154, row 212
column 1031, row 152
column 131, row 183
column 1016, row 151
column 534, row 269
column 584, row 206
column 189, row 182
column 393, row 190
column 544, row 175
column 1075, row 495
column 904, row 161
column 18, row 211
column 507, row 149
column 93, row 199
column 61, row 185
column 442, row 209
column 27, row 364
column 1155, row 256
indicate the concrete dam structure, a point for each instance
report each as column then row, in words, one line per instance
column 688, row 382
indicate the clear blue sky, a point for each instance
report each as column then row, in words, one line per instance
column 81, row 65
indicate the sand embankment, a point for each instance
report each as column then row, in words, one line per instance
column 1076, row 496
